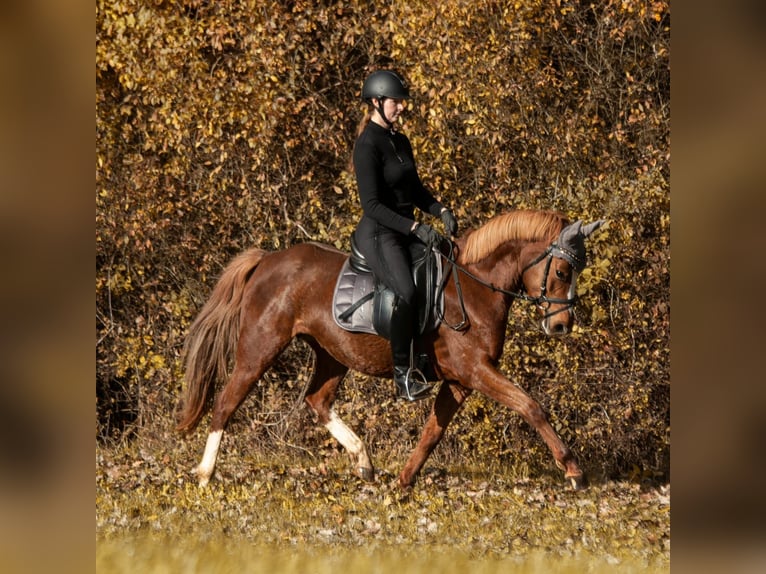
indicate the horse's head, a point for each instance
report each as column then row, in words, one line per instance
column 550, row 278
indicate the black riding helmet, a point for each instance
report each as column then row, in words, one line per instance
column 384, row 84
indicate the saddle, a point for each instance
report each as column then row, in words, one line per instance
column 364, row 305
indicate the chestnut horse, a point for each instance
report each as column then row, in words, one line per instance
column 264, row 299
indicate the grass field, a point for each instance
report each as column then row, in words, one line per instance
column 230, row 556
column 271, row 514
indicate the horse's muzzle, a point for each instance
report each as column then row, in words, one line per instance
column 558, row 324
column 555, row 330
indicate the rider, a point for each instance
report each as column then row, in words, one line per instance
column 389, row 189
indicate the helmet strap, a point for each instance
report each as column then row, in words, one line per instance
column 383, row 114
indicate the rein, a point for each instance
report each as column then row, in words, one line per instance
column 541, row 300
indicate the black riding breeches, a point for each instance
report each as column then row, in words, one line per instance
column 387, row 254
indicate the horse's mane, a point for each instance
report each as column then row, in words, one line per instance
column 524, row 225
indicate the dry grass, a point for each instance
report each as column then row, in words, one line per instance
column 299, row 514
column 145, row 555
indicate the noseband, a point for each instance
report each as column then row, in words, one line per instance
column 542, row 300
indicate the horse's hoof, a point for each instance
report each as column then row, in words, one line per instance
column 203, row 478
column 367, row 474
column 405, row 483
column 578, row 482
column 402, row 493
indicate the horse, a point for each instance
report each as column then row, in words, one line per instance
column 264, row 299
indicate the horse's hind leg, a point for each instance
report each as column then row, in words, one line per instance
column 254, row 357
column 320, row 396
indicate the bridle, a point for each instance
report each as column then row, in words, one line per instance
column 542, row 300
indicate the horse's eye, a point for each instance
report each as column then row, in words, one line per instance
column 560, row 274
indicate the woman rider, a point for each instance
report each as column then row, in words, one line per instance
column 389, row 189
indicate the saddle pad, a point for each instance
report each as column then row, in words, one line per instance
column 351, row 287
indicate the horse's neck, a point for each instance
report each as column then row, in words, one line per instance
column 501, row 268
column 497, row 271
column 488, row 306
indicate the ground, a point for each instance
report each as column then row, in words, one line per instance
column 302, row 508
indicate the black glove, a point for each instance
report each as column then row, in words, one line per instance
column 449, row 221
column 427, row 234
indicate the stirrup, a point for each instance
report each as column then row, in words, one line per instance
column 411, row 385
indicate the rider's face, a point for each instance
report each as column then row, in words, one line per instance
column 392, row 108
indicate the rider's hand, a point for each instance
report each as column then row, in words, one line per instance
column 427, row 234
column 449, row 221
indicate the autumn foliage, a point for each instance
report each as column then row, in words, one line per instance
column 225, row 125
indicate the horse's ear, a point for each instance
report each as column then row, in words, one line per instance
column 591, row 227
column 570, row 232
column 571, row 242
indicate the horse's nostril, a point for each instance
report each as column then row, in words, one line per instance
column 559, row 329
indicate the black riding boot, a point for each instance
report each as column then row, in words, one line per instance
column 410, row 382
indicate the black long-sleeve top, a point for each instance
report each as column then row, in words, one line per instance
column 388, row 181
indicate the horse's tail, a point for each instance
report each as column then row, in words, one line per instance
column 212, row 339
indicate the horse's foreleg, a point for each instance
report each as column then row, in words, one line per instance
column 491, row 383
column 449, row 399
column 320, row 396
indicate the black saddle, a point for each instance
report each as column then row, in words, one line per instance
column 363, row 304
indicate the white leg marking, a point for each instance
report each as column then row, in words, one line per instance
column 344, row 435
column 205, row 469
column 349, row 439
